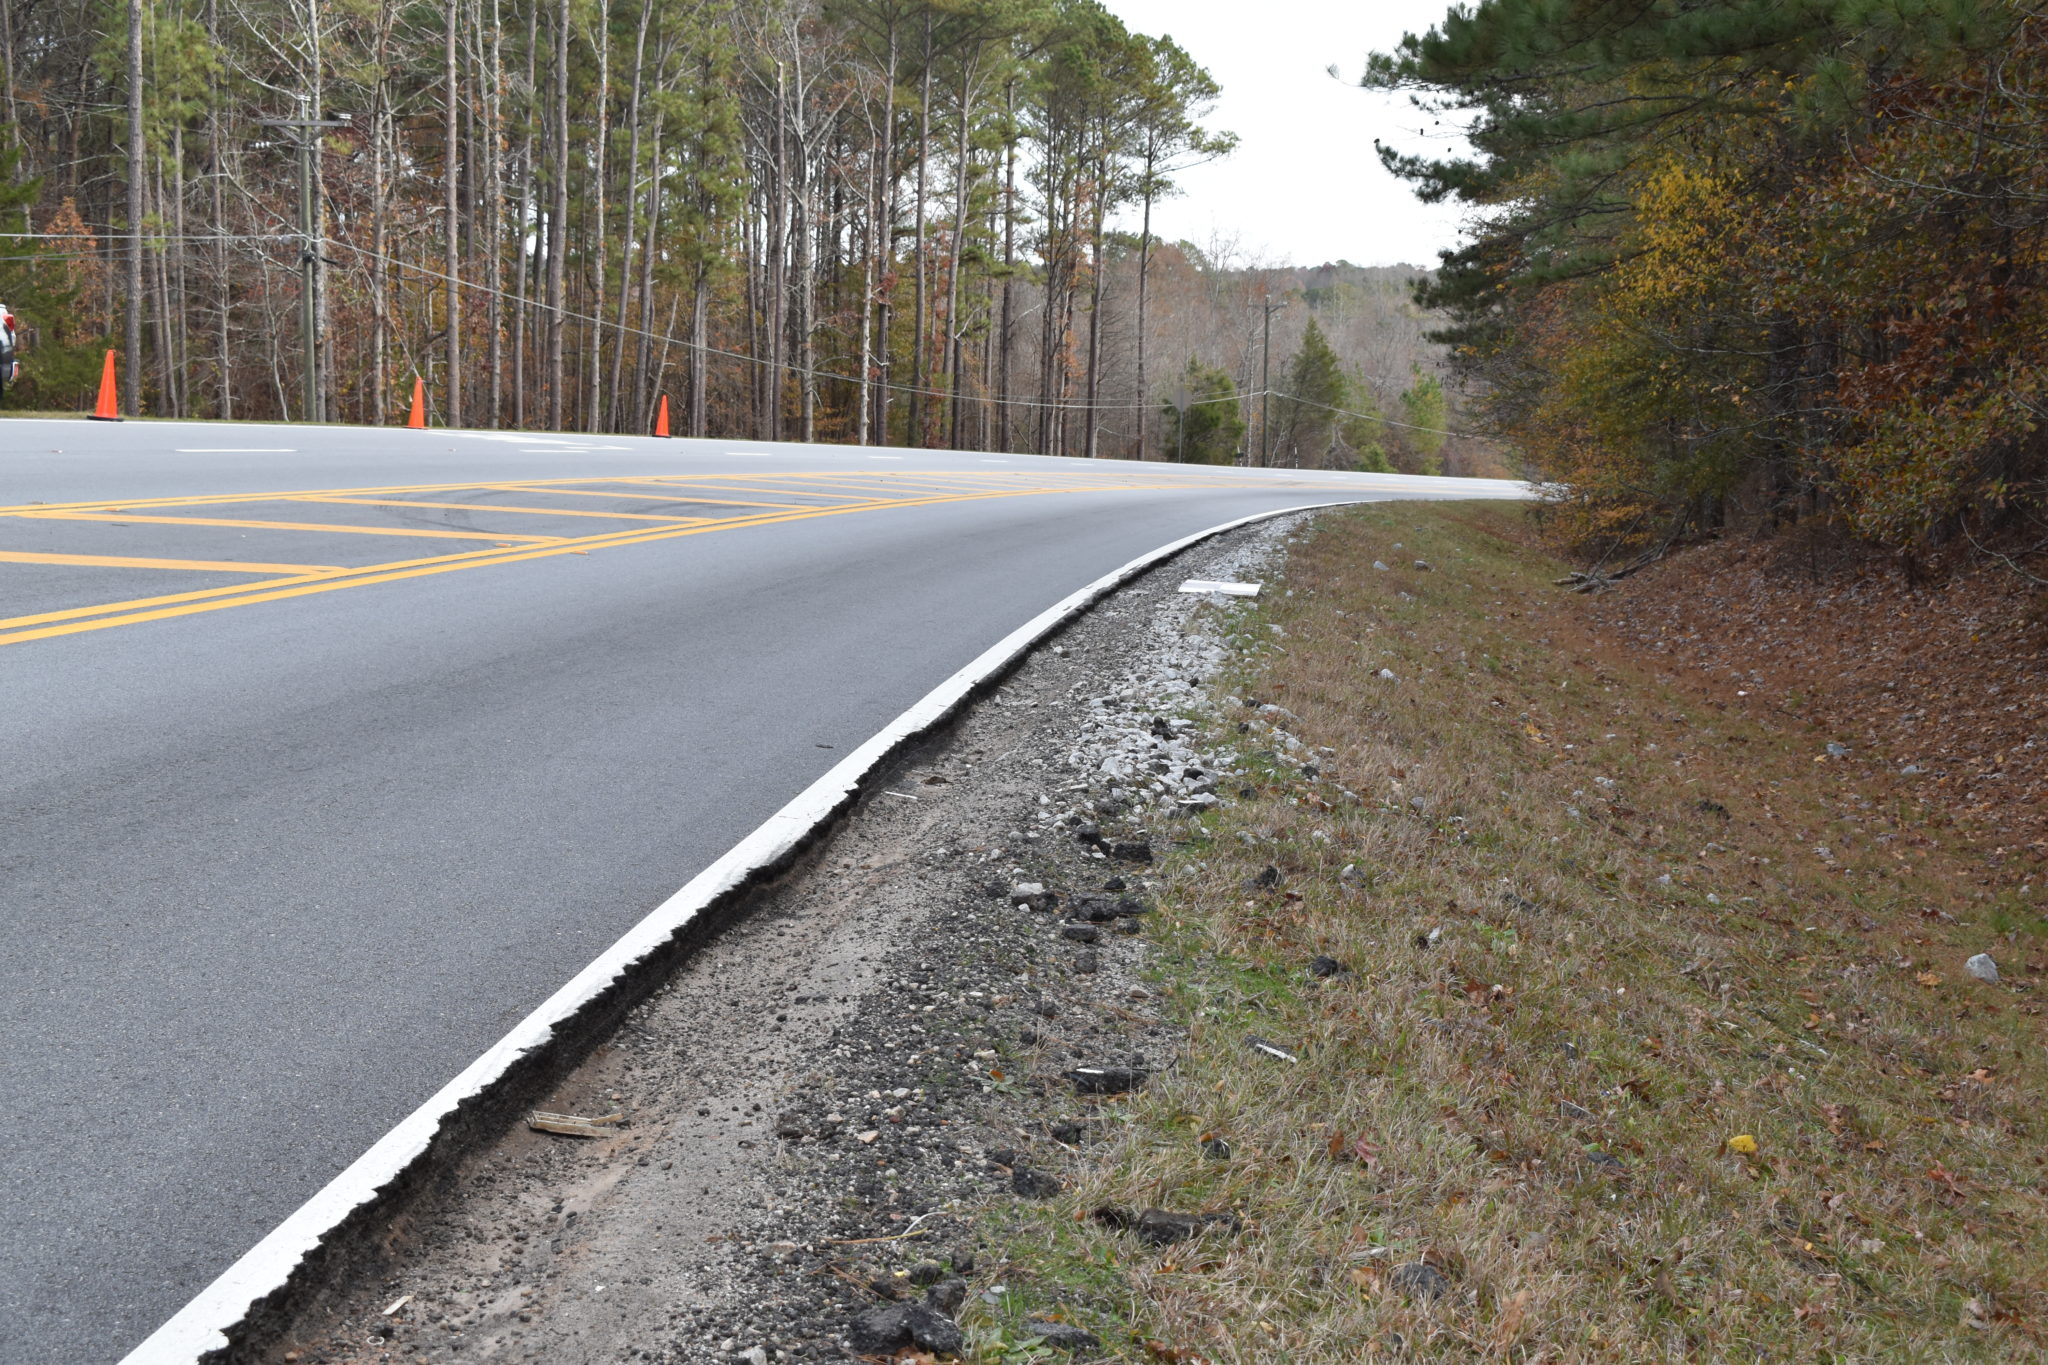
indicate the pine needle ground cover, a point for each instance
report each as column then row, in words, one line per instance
column 1637, row 1043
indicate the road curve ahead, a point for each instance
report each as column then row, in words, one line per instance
column 330, row 753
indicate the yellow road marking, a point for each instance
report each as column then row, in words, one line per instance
column 254, row 593
column 126, row 562
column 135, row 611
column 494, row 507
column 642, row 497
column 689, row 480
column 284, row 526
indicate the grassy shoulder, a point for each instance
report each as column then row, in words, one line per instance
column 1653, row 1037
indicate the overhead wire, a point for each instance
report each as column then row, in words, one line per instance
column 669, row 338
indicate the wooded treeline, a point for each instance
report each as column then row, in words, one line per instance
column 1762, row 261
column 881, row 221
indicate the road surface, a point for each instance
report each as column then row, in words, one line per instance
column 332, row 752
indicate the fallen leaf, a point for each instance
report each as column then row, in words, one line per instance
column 1513, row 1322
column 1742, row 1144
column 1929, row 979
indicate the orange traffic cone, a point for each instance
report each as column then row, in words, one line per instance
column 661, row 418
column 108, row 409
column 418, row 420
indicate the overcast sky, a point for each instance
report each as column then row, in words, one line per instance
column 1303, row 185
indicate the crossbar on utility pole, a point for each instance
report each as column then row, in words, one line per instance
column 307, row 141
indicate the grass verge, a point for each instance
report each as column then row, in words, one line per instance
column 1653, row 1037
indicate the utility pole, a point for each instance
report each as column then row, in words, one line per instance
column 302, row 133
column 1266, row 384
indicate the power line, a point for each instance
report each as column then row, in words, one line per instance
column 1240, row 396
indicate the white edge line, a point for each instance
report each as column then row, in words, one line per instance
column 202, row 1325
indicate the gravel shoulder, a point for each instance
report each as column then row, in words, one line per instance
column 806, row 1131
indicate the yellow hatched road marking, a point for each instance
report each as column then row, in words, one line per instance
column 690, row 480
column 495, row 507
column 254, row 593
column 171, row 599
column 632, row 495
column 286, row 526
column 200, row 565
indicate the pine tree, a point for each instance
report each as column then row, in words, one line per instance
column 1204, row 417
column 1311, row 402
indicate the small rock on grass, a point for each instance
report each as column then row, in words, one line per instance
column 890, row 1326
column 1323, row 968
column 1032, row 1184
column 1032, row 896
column 1157, row 1227
column 1419, row 1281
column 1982, row 967
column 1106, row 1080
column 1064, row 1336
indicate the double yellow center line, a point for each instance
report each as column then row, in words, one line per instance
column 888, row 491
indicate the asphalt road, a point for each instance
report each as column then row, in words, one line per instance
column 330, row 753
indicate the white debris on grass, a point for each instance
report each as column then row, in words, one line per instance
column 1135, row 746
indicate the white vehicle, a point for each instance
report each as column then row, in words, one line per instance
column 10, row 363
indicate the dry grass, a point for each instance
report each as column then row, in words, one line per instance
column 1737, row 937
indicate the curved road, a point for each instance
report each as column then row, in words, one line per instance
column 332, row 752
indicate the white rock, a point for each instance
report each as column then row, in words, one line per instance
column 1387, row 674
column 1982, row 967
column 1377, row 565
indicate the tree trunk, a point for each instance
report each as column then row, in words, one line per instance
column 132, row 324
column 775, row 244
column 1007, row 341
column 1094, row 386
column 451, row 256
column 380, row 248
column 529, row 205
column 700, row 303
column 1144, row 265
column 955, row 332
column 885, row 232
column 494, row 223
column 181, row 360
column 920, row 320
column 223, row 285
column 558, row 223
column 646, row 378
column 600, row 191
column 616, row 416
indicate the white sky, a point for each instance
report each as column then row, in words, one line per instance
column 1303, row 185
